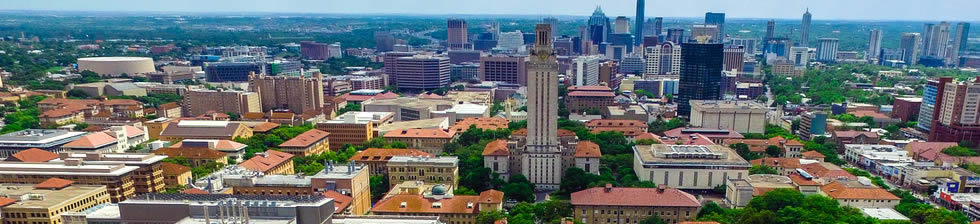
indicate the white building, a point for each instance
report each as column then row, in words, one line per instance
column 663, row 59
column 585, row 70
column 695, row 167
column 741, row 116
column 828, row 50
column 512, row 41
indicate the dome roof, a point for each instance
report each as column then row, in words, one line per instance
column 439, row 190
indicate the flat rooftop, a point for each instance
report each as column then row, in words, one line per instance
column 48, row 197
column 37, row 136
column 688, row 155
column 359, row 117
column 442, row 160
column 51, row 168
column 727, row 104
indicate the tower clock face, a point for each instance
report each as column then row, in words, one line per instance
column 542, row 54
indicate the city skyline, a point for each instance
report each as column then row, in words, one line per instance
column 900, row 10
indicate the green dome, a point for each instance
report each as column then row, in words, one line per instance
column 439, row 190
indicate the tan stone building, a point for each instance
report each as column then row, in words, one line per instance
column 270, row 162
column 196, row 156
column 428, row 140
column 198, row 102
column 312, row 142
column 353, row 127
column 437, row 170
column 147, row 178
column 583, row 98
column 451, row 209
column 695, row 167
column 741, row 116
column 377, row 159
column 169, row 110
column 298, row 94
column 175, row 175
column 196, row 129
column 47, row 201
column 118, row 178
column 631, row 205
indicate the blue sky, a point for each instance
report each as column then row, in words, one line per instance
column 953, row 10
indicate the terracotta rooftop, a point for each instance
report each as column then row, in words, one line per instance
column 827, row 170
column 194, row 191
column 220, row 145
column 32, row 155
column 615, row 123
column 625, row 196
column 591, row 94
column 168, row 106
column 173, row 168
column 710, row 133
column 283, row 116
column 813, row 155
column 253, row 116
column 496, row 148
column 928, row 151
column 561, row 132
column 852, row 134
column 265, row 127
column 801, row 181
column 419, row 133
column 340, row 201
column 760, row 145
column 306, row 139
column 785, row 163
column 94, row 140
column 485, row 123
column 836, row 190
column 627, row 131
column 264, row 163
column 874, row 114
column 647, row 135
column 491, row 196
column 590, row 88
column 6, row 201
column 419, row 204
column 54, row 183
column 587, row 149
column 191, row 153
column 379, row 154
column 132, row 131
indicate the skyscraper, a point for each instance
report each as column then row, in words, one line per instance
column 384, row 41
column 542, row 118
column 421, row 72
column 457, row 34
column 910, row 48
column 959, row 43
column 640, row 4
column 770, row 28
column 805, row 30
column 622, row 25
column 935, row 40
column 874, row 45
column 658, row 25
column 663, row 59
column 711, row 32
column 675, row 35
column 598, row 26
column 700, row 74
column 296, row 93
column 827, row 52
column 718, row 19
column 553, row 22
column 735, row 59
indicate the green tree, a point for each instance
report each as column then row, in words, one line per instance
column 575, row 179
column 379, row 187
column 653, row 219
column 762, row 169
column 463, row 190
column 519, row 188
column 489, row 217
column 774, row 151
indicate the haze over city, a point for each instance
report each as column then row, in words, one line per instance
column 956, row 10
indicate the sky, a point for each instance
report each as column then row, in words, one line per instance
column 914, row 10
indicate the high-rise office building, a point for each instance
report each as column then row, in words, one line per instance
column 675, row 35
column 231, row 71
column 748, row 43
column 296, row 93
column 717, row 19
column 384, row 41
column 935, row 40
column 421, row 72
column 874, row 45
column 909, row 47
column 500, row 68
column 956, row 116
column 542, row 165
column 960, row 41
column 314, row 51
column 663, row 59
column 640, row 7
column 585, row 70
column 598, row 26
column 457, row 34
column 622, row 25
column 827, row 52
column 553, row 22
column 199, row 102
column 930, row 99
column 657, row 24
column 800, row 56
column 391, row 63
column 770, row 29
column 513, row 41
column 631, row 64
column 700, row 76
column 805, row 29
column 710, row 32
column 735, row 59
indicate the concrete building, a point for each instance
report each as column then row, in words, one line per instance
column 827, row 52
column 955, row 115
column 377, row 159
column 457, row 34
column 442, row 170
column 584, row 71
column 631, row 205
column 699, row 77
column 464, row 72
column 906, row 109
column 741, row 116
column 931, row 96
column 709, row 32
column 312, row 50
column 693, row 167
column 298, row 94
column 499, row 68
column 199, row 102
column 420, row 72
column 47, row 201
column 812, row 124
column 312, row 142
column 208, row 208
column 175, row 175
column 197, row 129
column 663, row 59
column 800, row 56
column 910, row 48
column 50, row 140
column 935, row 39
column 231, row 71
column 805, row 29
column 234, row 150
column 583, row 98
column 117, row 178
column 353, row 127
column 116, row 66
column 451, row 209
column 735, row 59
column 874, row 45
column 270, row 162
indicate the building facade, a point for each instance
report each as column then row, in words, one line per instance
column 700, row 77
column 296, row 93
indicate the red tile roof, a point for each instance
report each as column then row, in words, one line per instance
column 132, row 131
column 496, row 148
column 589, row 88
column 265, row 127
column 491, row 196
column 253, row 116
column 838, row 191
column 306, row 139
column 615, row 123
column 852, row 134
column 627, row 131
column 813, row 155
column 194, row 191
column 561, row 132
column 168, row 106
column 485, row 123
column 801, row 181
column 54, row 183
column 419, row 133
column 874, row 114
column 6, row 201
column 827, row 170
column 191, row 153
column 173, row 168
column 647, row 136
column 378, row 154
column 93, row 140
column 340, row 201
column 418, row 204
column 785, row 163
column 591, row 94
column 32, row 155
column 928, row 151
column 625, row 196
column 265, row 163
column 587, row 149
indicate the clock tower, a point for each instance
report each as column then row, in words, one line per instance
column 542, row 160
